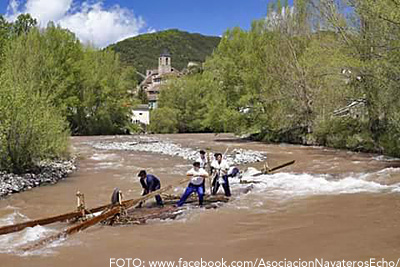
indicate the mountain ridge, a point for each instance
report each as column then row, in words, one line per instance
column 142, row 51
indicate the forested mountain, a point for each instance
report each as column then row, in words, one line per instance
column 143, row 51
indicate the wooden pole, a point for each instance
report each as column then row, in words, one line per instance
column 275, row 168
column 209, row 170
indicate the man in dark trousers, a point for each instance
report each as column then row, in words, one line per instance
column 150, row 183
column 220, row 172
column 196, row 184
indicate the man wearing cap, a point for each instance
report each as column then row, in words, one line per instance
column 196, row 184
column 150, row 183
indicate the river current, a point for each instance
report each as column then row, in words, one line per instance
column 330, row 204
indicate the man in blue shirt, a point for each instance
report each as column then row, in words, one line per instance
column 150, row 183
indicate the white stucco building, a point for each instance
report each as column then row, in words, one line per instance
column 141, row 115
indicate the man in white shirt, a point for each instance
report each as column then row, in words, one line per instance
column 196, row 184
column 204, row 164
column 220, row 171
column 202, row 159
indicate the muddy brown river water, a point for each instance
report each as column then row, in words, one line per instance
column 331, row 204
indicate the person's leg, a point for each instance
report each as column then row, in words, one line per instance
column 215, row 185
column 234, row 172
column 200, row 192
column 189, row 190
column 226, row 186
column 158, row 197
column 159, row 200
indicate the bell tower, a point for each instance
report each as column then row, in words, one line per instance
column 164, row 63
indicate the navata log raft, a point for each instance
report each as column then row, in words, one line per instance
column 120, row 214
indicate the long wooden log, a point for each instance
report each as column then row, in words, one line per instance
column 275, row 168
column 72, row 230
column 49, row 220
column 105, row 215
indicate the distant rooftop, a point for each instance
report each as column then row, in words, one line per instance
column 142, row 107
column 165, row 53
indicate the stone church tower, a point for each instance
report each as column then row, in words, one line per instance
column 164, row 63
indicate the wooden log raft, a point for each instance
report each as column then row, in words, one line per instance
column 105, row 215
column 169, row 211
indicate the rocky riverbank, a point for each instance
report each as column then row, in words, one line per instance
column 234, row 157
column 46, row 173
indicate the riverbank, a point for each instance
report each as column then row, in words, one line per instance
column 46, row 173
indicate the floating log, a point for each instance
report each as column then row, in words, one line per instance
column 105, row 215
column 58, row 218
column 72, row 230
column 275, row 168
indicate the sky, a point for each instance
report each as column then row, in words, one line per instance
column 103, row 22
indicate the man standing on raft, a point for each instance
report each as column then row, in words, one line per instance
column 196, row 184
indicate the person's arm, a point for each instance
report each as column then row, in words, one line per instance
column 204, row 174
column 224, row 168
column 145, row 187
column 213, row 168
column 189, row 173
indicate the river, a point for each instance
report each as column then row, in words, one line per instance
column 330, row 204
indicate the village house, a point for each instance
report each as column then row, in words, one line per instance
column 155, row 77
column 141, row 115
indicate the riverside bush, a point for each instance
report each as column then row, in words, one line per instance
column 163, row 120
column 31, row 129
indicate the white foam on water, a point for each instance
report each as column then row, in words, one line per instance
column 12, row 218
column 290, row 184
column 385, row 158
column 284, row 187
column 100, row 157
column 10, row 243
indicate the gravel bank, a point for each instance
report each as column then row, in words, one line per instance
column 234, row 157
column 48, row 173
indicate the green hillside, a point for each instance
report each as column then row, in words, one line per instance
column 143, row 51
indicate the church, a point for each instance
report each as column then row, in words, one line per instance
column 155, row 77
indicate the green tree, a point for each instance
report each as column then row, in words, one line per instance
column 31, row 129
column 23, row 24
column 163, row 120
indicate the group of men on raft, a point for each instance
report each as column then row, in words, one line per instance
column 220, row 171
